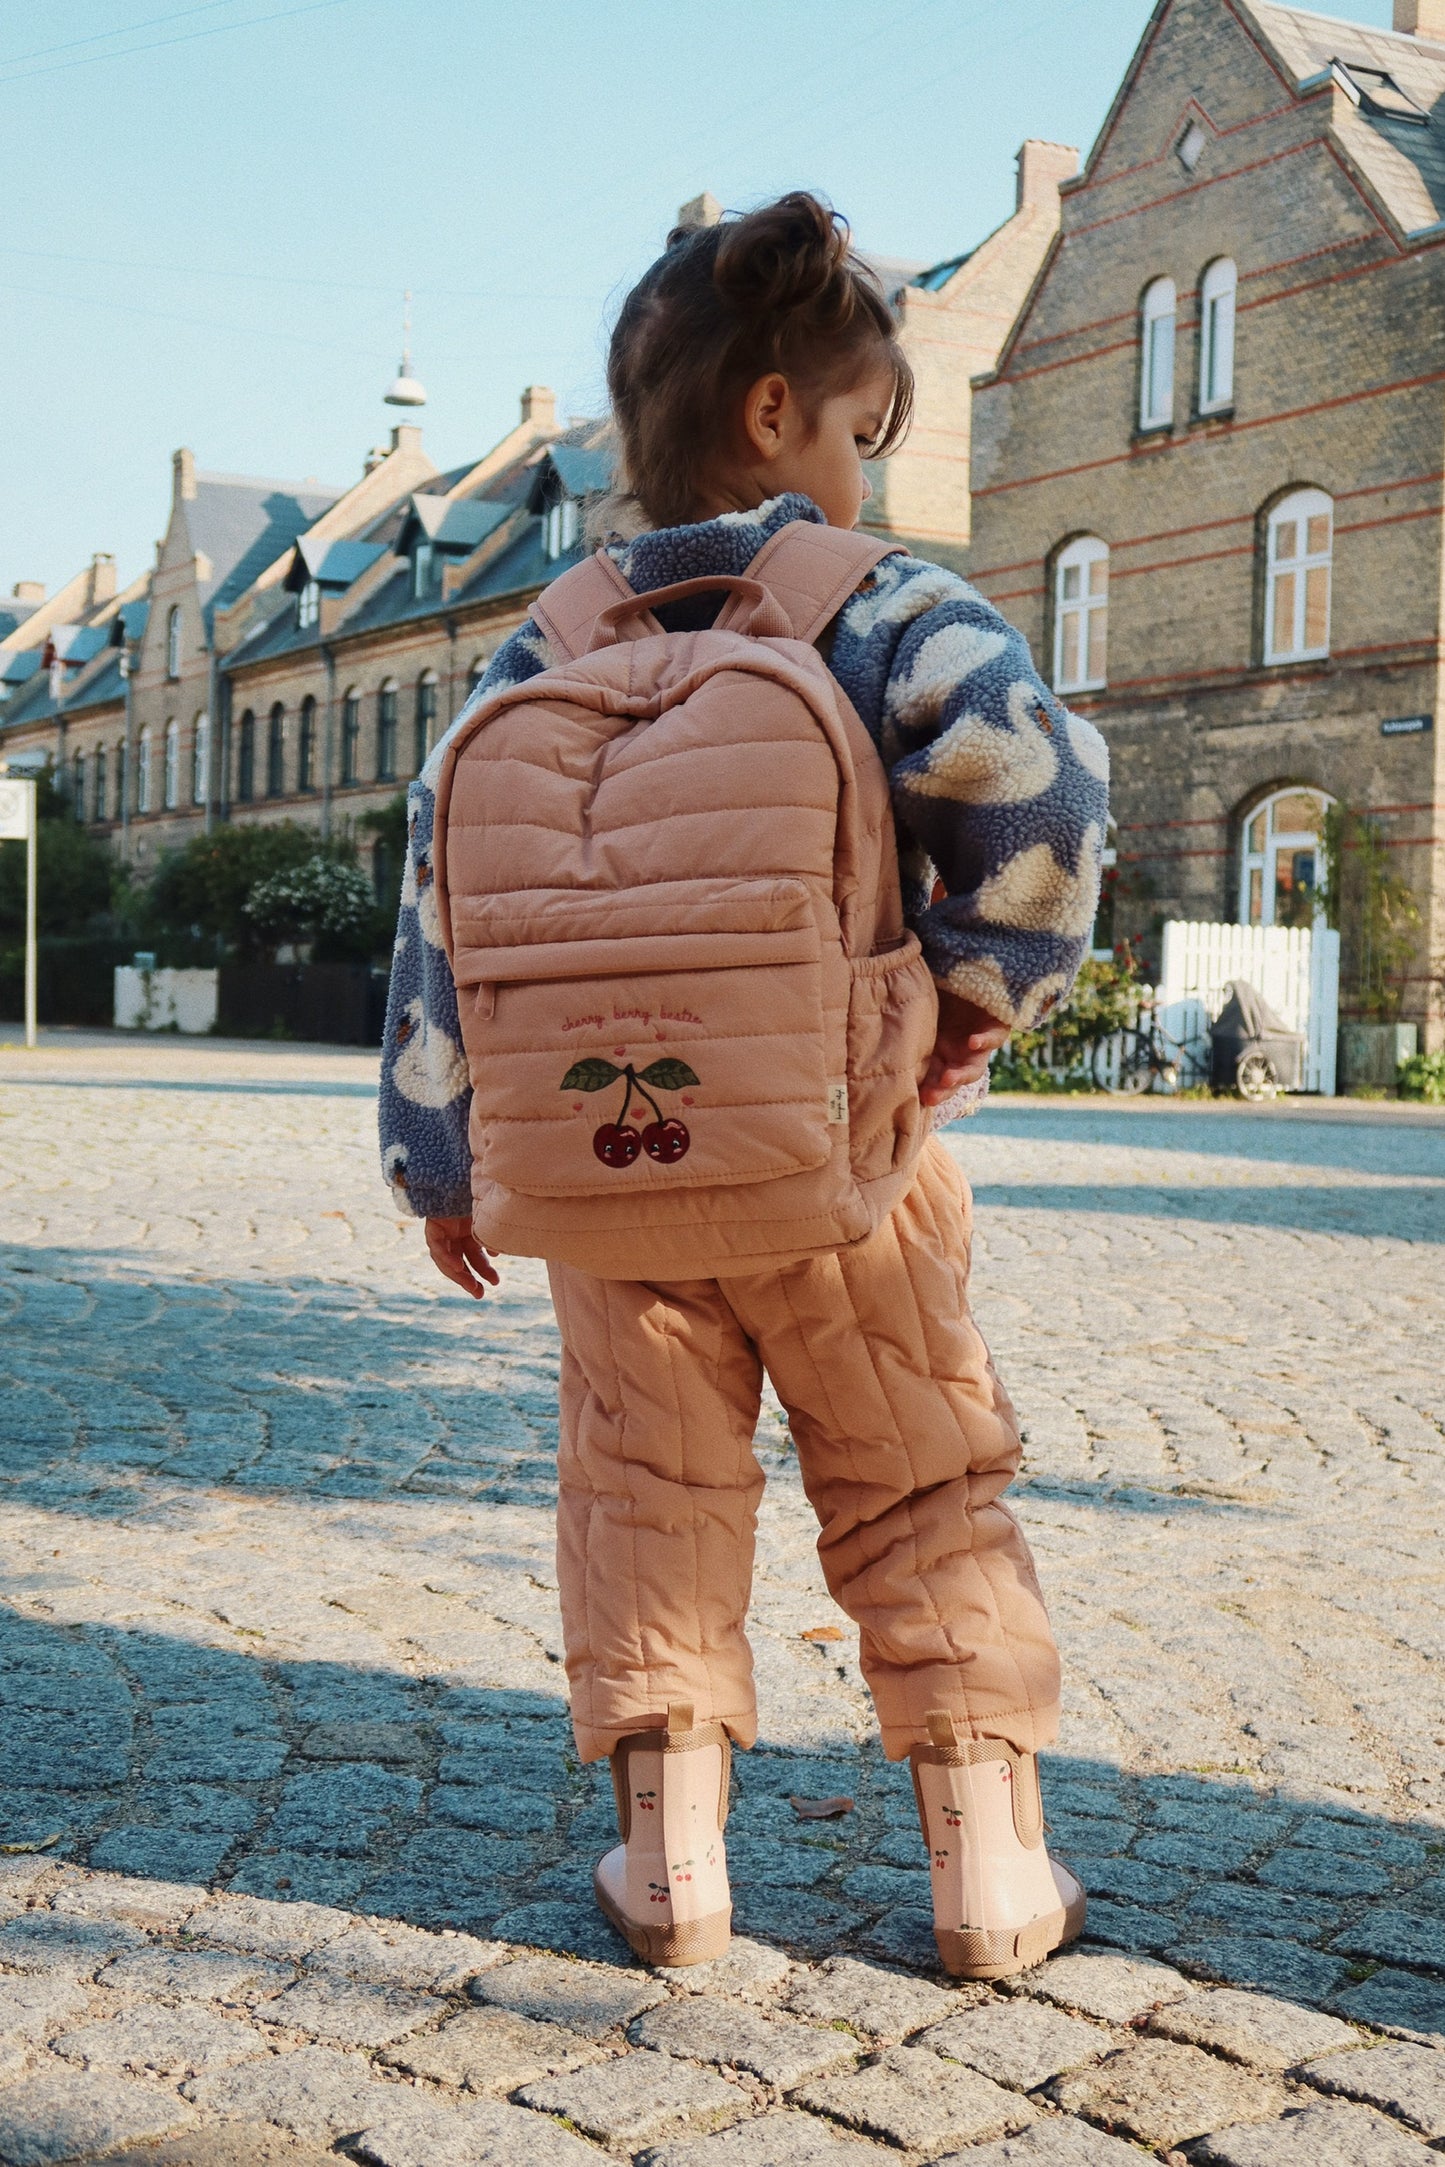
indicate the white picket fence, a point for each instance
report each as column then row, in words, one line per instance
column 1297, row 972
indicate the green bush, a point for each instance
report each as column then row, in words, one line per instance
column 203, row 888
column 74, row 874
column 1105, row 999
column 1423, row 1077
column 321, row 902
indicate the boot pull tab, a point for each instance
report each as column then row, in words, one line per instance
column 941, row 1727
column 679, row 1717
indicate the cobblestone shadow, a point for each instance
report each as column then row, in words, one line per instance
column 446, row 1805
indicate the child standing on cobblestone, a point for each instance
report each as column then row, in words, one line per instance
column 800, row 753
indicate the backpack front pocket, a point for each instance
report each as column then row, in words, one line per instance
column 661, row 1037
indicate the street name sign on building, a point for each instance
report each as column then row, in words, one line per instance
column 17, row 825
column 1406, row 725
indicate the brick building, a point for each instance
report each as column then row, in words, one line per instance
column 298, row 647
column 1207, row 471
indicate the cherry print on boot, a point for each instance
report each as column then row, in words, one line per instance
column 617, row 1143
column 1000, row 1903
column 665, row 1886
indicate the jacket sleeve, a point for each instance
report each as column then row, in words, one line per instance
column 425, row 1095
column 998, row 790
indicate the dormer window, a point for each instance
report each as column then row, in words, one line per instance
column 1376, row 92
column 559, row 527
column 423, row 561
column 308, row 604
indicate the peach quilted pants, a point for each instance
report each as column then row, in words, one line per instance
column 905, row 1441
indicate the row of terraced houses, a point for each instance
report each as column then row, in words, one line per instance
column 1182, row 417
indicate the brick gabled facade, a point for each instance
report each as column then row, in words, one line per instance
column 1309, row 155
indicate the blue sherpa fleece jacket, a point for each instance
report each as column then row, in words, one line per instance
column 997, row 789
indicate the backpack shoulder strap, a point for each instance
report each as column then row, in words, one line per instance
column 568, row 610
column 810, row 571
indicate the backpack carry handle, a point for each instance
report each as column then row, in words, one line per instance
column 749, row 609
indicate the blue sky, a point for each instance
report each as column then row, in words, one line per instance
column 211, row 210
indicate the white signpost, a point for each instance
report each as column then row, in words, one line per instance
column 17, row 825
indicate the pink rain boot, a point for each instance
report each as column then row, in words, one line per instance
column 665, row 1887
column 1000, row 1903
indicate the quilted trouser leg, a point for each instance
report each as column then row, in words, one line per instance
column 905, row 1440
column 658, row 1502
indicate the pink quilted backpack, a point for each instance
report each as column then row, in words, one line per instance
column 668, row 886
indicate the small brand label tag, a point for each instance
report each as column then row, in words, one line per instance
column 837, row 1103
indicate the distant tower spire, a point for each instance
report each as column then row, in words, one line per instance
column 405, row 390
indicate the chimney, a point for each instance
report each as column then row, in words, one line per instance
column 183, row 471
column 539, row 409
column 703, row 210
column 28, row 590
column 1421, row 19
column 102, row 578
column 406, row 436
column 1041, row 167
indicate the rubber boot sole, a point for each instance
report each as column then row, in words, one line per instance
column 969, row 1954
column 693, row 1941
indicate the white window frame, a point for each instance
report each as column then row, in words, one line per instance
column 1216, row 335
column 423, row 561
column 1156, row 355
column 308, row 604
column 173, row 641
column 143, row 770
column 1297, row 510
column 559, row 527
column 1077, row 611
column 1257, row 867
column 171, row 767
column 200, row 757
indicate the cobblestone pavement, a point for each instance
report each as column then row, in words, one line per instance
column 296, row 1855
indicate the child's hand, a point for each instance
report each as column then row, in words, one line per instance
column 967, row 1035
column 459, row 1256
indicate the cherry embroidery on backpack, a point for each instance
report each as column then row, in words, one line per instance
column 618, row 1143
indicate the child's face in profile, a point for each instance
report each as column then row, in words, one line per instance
column 820, row 455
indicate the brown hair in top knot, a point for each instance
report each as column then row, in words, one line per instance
column 774, row 289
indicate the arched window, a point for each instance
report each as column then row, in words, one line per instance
column 1216, row 336
column 426, row 716
column 386, row 732
column 1280, row 864
column 351, row 738
column 1081, row 615
column 1156, row 361
column 246, row 759
column 173, row 642
column 276, row 752
column 171, row 766
column 98, row 799
column 119, row 813
column 143, row 771
column 306, row 746
column 1298, row 550
column 200, row 758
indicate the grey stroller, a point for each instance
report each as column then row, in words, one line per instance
column 1252, row 1050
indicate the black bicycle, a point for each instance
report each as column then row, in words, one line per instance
column 1149, row 1059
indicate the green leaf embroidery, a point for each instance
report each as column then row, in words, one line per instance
column 668, row 1076
column 591, row 1076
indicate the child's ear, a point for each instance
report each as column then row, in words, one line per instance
column 767, row 411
